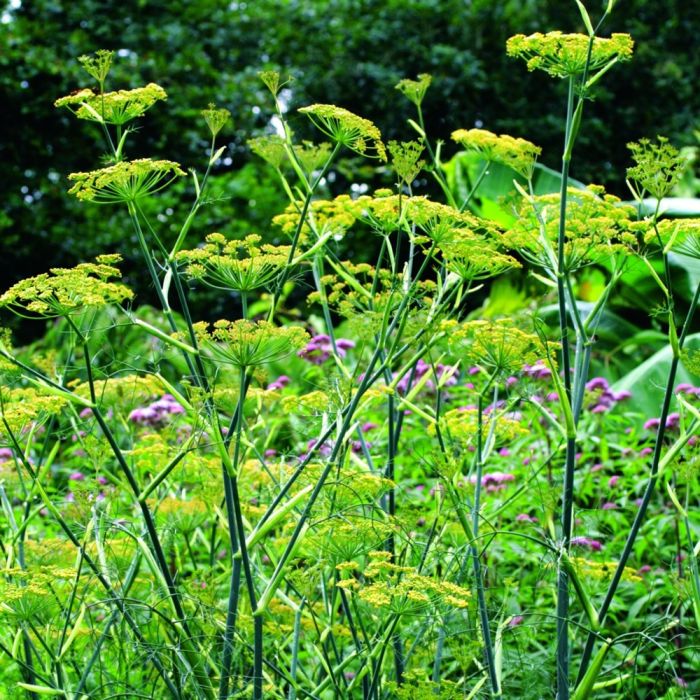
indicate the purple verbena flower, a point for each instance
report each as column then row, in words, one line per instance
column 597, row 383
column 652, row 424
column 685, row 388
column 158, row 412
column 279, row 383
column 586, row 542
column 407, row 381
column 495, row 481
column 672, row 421
column 525, row 518
column 537, row 371
column 320, row 348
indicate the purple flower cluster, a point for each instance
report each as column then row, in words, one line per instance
column 5, row 454
column 537, row 371
column 525, row 518
column 495, row 481
column 604, row 397
column 673, row 419
column 320, row 348
column 157, row 413
column 671, row 422
column 279, row 383
column 586, row 542
column 422, row 368
column 325, row 448
column 687, row 389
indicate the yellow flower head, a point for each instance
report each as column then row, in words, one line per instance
column 116, row 108
column 518, row 154
column 476, row 258
column 415, row 89
column 598, row 226
column 344, row 127
column 498, row 345
column 241, row 265
column 684, row 232
column 98, row 64
column 215, row 118
column 248, row 344
column 21, row 407
column 405, row 157
column 269, row 148
column 658, row 166
column 566, row 55
column 126, row 181
column 68, row 291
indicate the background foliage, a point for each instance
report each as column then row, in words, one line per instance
column 349, row 52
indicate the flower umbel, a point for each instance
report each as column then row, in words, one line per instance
column 415, row 89
column 498, row 345
column 564, row 55
column 234, row 264
column 126, row 181
column 518, row 154
column 598, row 226
column 344, row 127
column 115, row 108
column 98, row 64
column 215, row 118
column 658, row 166
column 248, row 344
column 405, row 159
column 66, row 291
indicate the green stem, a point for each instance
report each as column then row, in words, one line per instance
column 234, row 506
column 279, row 290
column 477, row 184
column 567, row 496
column 437, row 174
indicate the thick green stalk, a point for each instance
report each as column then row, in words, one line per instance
column 567, row 496
column 238, row 544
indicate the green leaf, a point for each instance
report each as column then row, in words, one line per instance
column 464, row 169
column 586, row 19
column 673, row 207
column 647, row 382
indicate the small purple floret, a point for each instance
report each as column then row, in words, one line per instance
column 586, row 542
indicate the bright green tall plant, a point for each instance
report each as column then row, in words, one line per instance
column 328, row 585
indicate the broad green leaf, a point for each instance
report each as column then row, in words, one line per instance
column 647, row 382
column 674, row 207
column 465, row 168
